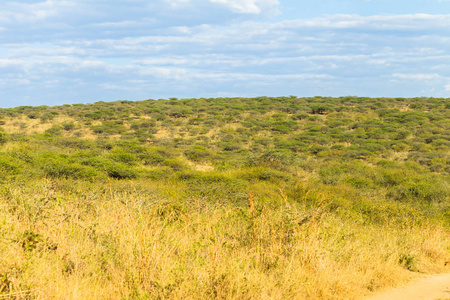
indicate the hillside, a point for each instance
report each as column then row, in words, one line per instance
column 236, row 198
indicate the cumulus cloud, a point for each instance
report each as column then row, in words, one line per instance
column 17, row 12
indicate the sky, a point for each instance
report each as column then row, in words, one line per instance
column 57, row 52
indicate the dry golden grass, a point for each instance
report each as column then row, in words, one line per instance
column 136, row 240
column 200, row 167
column 163, row 133
column 25, row 125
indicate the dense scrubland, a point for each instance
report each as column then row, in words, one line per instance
column 227, row 198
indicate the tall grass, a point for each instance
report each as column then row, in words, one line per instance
column 144, row 239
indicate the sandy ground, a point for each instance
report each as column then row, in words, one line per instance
column 429, row 287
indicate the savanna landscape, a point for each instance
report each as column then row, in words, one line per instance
column 223, row 198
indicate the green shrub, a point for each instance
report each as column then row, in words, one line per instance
column 332, row 174
column 373, row 147
column 176, row 164
column 152, row 158
column 3, row 138
column 231, row 146
column 75, row 143
column 68, row 126
column 300, row 116
column 9, row 163
column 352, row 154
column 147, row 125
column 408, row 261
column 264, row 174
column 61, row 167
column 215, row 186
column 120, row 171
column 422, row 189
column 276, row 159
column 393, row 177
column 389, row 213
column 54, row 130
column 158, row 173
column 320, row 109
column 198, row 153
column 315, row 149
column 109, row 128
column 359, row 181
column 123, row 157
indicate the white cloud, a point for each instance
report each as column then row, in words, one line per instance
column 256, row 77
column 120, row 24
column 13, row 12
column 110, row 86
column 447, row 87
column 4, row 83
column 255, row 7
column 419, row 76
column 9, row 62
column 250, row 6
column 379, row 22
column 180, row 60
column 238, row 6
column 177, row 3
column 173, row 73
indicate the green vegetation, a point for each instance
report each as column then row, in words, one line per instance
column 318, row 198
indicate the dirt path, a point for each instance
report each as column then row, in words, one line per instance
column 429, row 287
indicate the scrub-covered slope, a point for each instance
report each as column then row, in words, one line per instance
column 223, row 198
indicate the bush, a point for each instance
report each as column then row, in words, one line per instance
column 332, row 174
column 231, row 146
column 9, row 164
column 264, row 174
column 276, row 159
column 75, row 143
column 315, row 149
column 158, row 173
column 320, row 109
column 152, row 158
column 109, row 128
column 60, row 167
column 175, row 164
column 215, row 186
column 389, row 213
column 198, row 153
column 54, row 130
column 360, row 182
column 68, row 126
column 3, row 138
column 120, row 171
column 422, row 189
column 123, row 157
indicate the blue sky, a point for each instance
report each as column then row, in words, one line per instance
column 63, row 51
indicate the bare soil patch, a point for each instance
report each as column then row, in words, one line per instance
column 429, row 287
